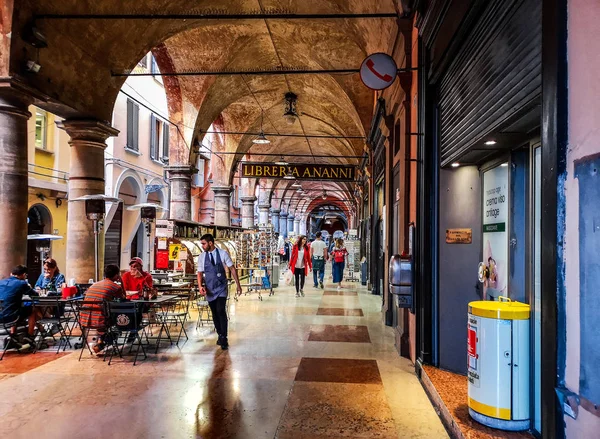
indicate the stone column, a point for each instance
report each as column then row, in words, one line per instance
column 248, row 212
column 297, row 225
column 13, row 178
column 86, row 177
column 263, row 214
column 180, row 186
column 222, row 205
column 302, row 226
column 283, row 228
column 290, row 222
column 275, row 219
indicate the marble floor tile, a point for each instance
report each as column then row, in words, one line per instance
column 338, row 370
column 15, row 363
column 340, row 293
column 339, row 333
column 333, row 410
column 356, row 312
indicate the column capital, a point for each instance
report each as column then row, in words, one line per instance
column 291, row 216
column 275, row 211
column 283, row 214
column 87, row 131
column 248, row 200
column 180, row 170
column 221, row 191
column 264, row 206
column 16, row 96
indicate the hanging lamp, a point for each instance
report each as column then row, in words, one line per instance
column 261, row 139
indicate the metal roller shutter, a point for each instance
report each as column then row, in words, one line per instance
column 496, row 74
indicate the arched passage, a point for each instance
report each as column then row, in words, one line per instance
column 39, row 220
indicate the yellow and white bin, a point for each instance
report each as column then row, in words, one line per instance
column 498, row 364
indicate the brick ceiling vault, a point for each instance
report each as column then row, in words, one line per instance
column 83, row 54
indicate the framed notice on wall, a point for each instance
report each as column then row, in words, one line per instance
column 495, row 230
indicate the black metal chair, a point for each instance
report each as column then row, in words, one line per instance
column 126, row 320
column 9, row 337
column 52, row 311
column 176, row 314
column 93, row 316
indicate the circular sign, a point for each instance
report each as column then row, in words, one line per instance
column 378, row 71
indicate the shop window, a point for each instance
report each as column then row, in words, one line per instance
column 397, row 138
column 41, row 129
column 133, row 116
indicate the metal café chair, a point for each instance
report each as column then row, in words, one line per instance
column 177, row 315
column 9, row 337
column 126, row 320
column 52, row 311
column 93, row 316
column 203, row 308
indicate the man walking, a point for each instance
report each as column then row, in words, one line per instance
column 318, row 253
column 212, row 280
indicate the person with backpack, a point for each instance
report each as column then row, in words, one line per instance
column 339, row 253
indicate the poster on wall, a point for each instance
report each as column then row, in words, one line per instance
column 162, row 260
column 495, row 231
column 174, row 250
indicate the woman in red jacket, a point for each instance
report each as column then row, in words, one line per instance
column 300, row 264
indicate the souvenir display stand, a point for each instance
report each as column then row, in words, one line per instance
column 255, row 254
column 353, row 247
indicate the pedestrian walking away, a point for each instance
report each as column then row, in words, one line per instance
column 212, row 280
column 318, row 254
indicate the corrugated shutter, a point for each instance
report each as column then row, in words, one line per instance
column 496, row 74
column 153, row 138
column 112, row 239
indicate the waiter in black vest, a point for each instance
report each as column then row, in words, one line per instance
column 212, row 279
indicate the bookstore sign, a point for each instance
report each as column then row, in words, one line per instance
column 299, row 171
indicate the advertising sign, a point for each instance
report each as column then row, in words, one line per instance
column 299, row 171
column 459, row 236
column 162, row 260
column 164, row 228
column 495, row 233
column 174, row 250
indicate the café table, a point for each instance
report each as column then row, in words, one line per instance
column 156, row 304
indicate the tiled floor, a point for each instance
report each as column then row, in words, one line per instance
column 357, row 312
column 289, row 374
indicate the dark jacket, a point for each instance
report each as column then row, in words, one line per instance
column 11, row 294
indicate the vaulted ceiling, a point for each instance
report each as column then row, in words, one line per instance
column 84, row 54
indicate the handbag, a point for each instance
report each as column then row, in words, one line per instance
column 288, row 277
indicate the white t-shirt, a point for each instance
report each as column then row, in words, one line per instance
column 225, row 258
column 317, row 247
column 300, row 260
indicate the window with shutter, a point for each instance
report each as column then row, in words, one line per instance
column 132, row 125
column 165, row 146
column 153, row 137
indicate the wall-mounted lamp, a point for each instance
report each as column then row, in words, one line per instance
column 290, row 114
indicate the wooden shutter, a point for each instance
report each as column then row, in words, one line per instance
column 153, row 137
column 136, row 127
column 112, row 239
column 165, row 148
column 129, row 124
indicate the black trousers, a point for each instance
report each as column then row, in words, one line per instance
column 218, row 308
column 300, row 276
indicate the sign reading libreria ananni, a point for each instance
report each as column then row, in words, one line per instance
column 299, row 171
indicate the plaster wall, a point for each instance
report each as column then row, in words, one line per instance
column 582, row 336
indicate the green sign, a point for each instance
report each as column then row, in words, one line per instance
column 497, row 227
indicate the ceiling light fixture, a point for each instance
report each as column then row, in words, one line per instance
column 261, row 139
column 290, row 114
column 282, row 162
column 504, row 165
column 324, row 196
column 296, row 184
column 490, row 142
column 455, row 165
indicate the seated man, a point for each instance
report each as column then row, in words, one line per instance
column 106, row 290
column 12, row 291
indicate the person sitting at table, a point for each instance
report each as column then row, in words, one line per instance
column 12, row 290
column 136, row 279
column 51, row 279
column 108, row 290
